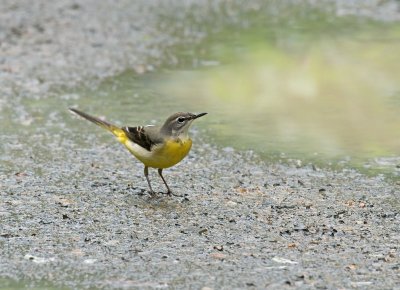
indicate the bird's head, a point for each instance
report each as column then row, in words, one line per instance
column 178, row 124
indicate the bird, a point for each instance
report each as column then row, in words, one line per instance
column 156, row 147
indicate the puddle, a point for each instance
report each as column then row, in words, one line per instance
column 322, row 91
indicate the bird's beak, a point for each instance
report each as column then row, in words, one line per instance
column 199, row 115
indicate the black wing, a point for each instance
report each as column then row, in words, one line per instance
column 139, row 136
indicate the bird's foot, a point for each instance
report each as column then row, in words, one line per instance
column 153, row 194
column 169, row 193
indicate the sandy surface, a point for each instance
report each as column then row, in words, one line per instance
column 79, row 216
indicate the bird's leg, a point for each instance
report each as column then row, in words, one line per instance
column 169, row 192
column 146, row 173
column 162, row 177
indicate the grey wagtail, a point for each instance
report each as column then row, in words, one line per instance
column 156, row 147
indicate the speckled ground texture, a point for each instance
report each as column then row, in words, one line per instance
column 90, row 224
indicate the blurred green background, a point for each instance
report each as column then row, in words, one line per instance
column 313, row 87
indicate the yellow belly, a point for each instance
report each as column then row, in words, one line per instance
column 167, row 155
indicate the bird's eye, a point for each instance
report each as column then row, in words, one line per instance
column 181, row 120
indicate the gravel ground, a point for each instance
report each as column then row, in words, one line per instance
column 79, row 217
column 250, row 226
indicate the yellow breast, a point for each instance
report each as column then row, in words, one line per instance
column 161, row 156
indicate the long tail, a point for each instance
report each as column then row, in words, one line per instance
column 118, row 132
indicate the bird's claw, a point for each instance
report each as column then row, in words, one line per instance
column 169, row 193
column 153, row 194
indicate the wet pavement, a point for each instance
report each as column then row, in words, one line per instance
column 75, row 215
